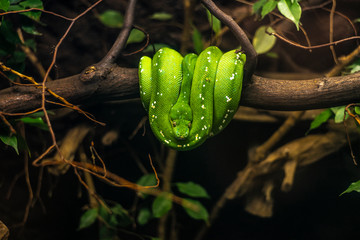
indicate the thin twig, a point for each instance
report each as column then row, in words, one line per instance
column 120, row 42
column 331, row 31
column 240, row 36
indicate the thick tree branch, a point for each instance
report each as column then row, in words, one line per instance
column 122, row 83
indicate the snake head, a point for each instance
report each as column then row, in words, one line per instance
column 181, row 128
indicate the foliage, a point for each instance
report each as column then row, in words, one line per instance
column 290, row 9
column 262, row 41
column 355, row 186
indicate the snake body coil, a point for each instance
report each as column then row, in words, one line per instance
column 189, row 99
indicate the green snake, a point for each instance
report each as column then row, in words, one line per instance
column 190, row 98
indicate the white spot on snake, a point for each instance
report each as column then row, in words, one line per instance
column 223, row 121
column 141, row 70
column 228, row 99
column 166, row 141
column 232, row 76
column 205, row 127
column 160, row 70
column 209, row 52
column 161, row 133
column 226, row 115
column 203, row 99
column 206, row 69
column 203, row 106
column 156, row 64
column 157, row 93
column 202, row 118
column 203, row 85
column 200, row 95
column 220, row 127
column 174, row 76
column 197, row 136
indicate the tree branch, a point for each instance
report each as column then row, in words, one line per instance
column 122, row 83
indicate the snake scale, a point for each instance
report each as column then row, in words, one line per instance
column 190, row 98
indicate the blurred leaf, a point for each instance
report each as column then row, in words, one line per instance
column 201, row 214
column 192, row 189
column 262, row 41
column 258, row 5
column 147, row 180
column 272, row 55
column 323, row 117
column 213, row 21
column 4, row 5
column 112, row 18
column 120, row 216
column 291, row 10
column 161, row 205
column 162, row 16
column 355, row 186
column 107, row 233
column 144, row 216
column 197, row 40
column 88, row 218
column 35, row 122
column 339, row 113
column 136, row 36
column 357, row 110
column 11, row 141
column 355, row 66
column 32, row 4
column 31, row 29
column 31, row 44
column 268, row 7
column 157, row 46
column 7, row 32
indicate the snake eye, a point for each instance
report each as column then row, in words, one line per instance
column 174, row 124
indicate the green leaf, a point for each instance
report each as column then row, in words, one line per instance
column 197, row 40
column 31, row 44
column 200, row 214
column 147, row 180
column 32, row 4
column 11, row 141
column 4, row 5
column 112, row 18
column 262, row 41
column 144, row 216
column 88, row 218
column 268, row 7
column 7, row 33
column 258, row 5
column 272, row 55
column 323, row 117
column 31, row 29
column 162, row 16
column 291, row 10
column 161, row 205
column 136, row 36
column 192, row 189
column 355, row 186
column 155, row 47
column 339, row 113
column 119, row 217
column 357, row 110
column 215, row 23
column 35, row 122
